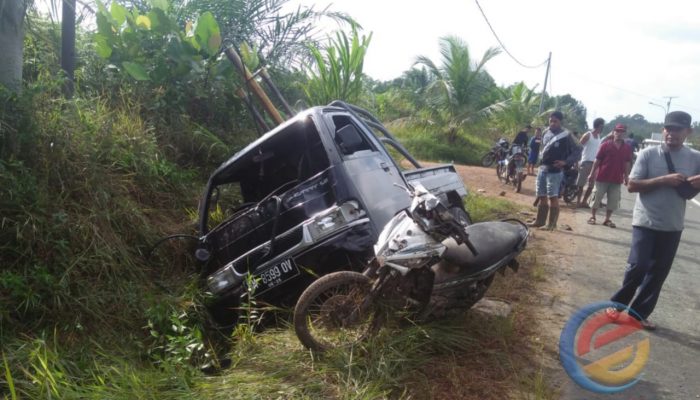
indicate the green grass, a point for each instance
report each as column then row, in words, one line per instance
column 486, row 208
column 428, row 145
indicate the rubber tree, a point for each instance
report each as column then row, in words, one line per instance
column 11, row 42
column 68, row 45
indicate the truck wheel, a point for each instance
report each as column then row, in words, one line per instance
column 329, row 313
column 488, row 159
column 461, row 216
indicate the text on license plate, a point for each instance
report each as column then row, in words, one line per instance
column 274, row 275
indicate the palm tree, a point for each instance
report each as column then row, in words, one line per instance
column 336, row 73
column 458, row 93
column 279, row 33
column 519, row 106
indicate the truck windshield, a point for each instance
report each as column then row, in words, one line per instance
column 284, row 161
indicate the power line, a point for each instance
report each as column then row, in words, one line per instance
column 503, row 46
column 640, row 95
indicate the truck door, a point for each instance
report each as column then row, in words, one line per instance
column 371, row 170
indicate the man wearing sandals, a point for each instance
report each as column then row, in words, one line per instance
column 657, row 222
column 610, row 170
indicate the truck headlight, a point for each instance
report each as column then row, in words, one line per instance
column 332, row 219
column 223, row 279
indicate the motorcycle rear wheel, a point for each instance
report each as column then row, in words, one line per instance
column 488, row 159
column 570, row 192
column 482, row 287
column 330, row 314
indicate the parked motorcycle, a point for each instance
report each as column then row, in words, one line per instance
column 426, row 263
column 569, row 190
column 498, row 152
column 512, row 168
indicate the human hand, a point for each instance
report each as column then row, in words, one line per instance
column 626, row 180
column 695, row 181
column 559, row 163
column 673, row 180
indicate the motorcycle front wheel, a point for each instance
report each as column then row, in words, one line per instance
column 335, row 311
column 500, row 171
column 518, row 183
column 488, row 159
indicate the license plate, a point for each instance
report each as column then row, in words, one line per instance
column 274, row 275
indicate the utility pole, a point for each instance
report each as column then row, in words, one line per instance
column 668, row 105
column 661, row 107
column 546, row 76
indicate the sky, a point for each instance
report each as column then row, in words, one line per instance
column 614, row 56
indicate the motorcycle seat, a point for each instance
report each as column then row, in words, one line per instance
column 494, row 242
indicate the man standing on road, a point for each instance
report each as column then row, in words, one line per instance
column 521, row 137
column 560, row 150
column 663, row 176
column 610, row 169
column 590, row 142
column 534, row 155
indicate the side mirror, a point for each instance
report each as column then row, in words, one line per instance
column 348, row 138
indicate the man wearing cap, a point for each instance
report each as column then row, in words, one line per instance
column 560, row 150
column 590, row 142
column 662, row 176
column 609, row 171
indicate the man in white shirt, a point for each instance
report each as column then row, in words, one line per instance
column 590, row 142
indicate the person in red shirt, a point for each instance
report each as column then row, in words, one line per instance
column 610, row 170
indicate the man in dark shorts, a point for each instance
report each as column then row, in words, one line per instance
column 657, row 221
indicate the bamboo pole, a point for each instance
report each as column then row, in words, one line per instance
column 254, row 86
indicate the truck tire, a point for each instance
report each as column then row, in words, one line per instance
column 321, row 314
column 461, row 216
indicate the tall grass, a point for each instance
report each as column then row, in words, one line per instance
column 85, row 188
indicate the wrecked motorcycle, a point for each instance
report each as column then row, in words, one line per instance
column 426, row 263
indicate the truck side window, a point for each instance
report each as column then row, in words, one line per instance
column 348, row 137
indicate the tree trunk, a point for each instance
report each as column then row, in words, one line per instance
column 68, row 45
column 11, row 43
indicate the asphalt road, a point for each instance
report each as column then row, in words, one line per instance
column 673, row 369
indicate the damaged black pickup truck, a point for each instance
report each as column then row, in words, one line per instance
column 305, row 199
